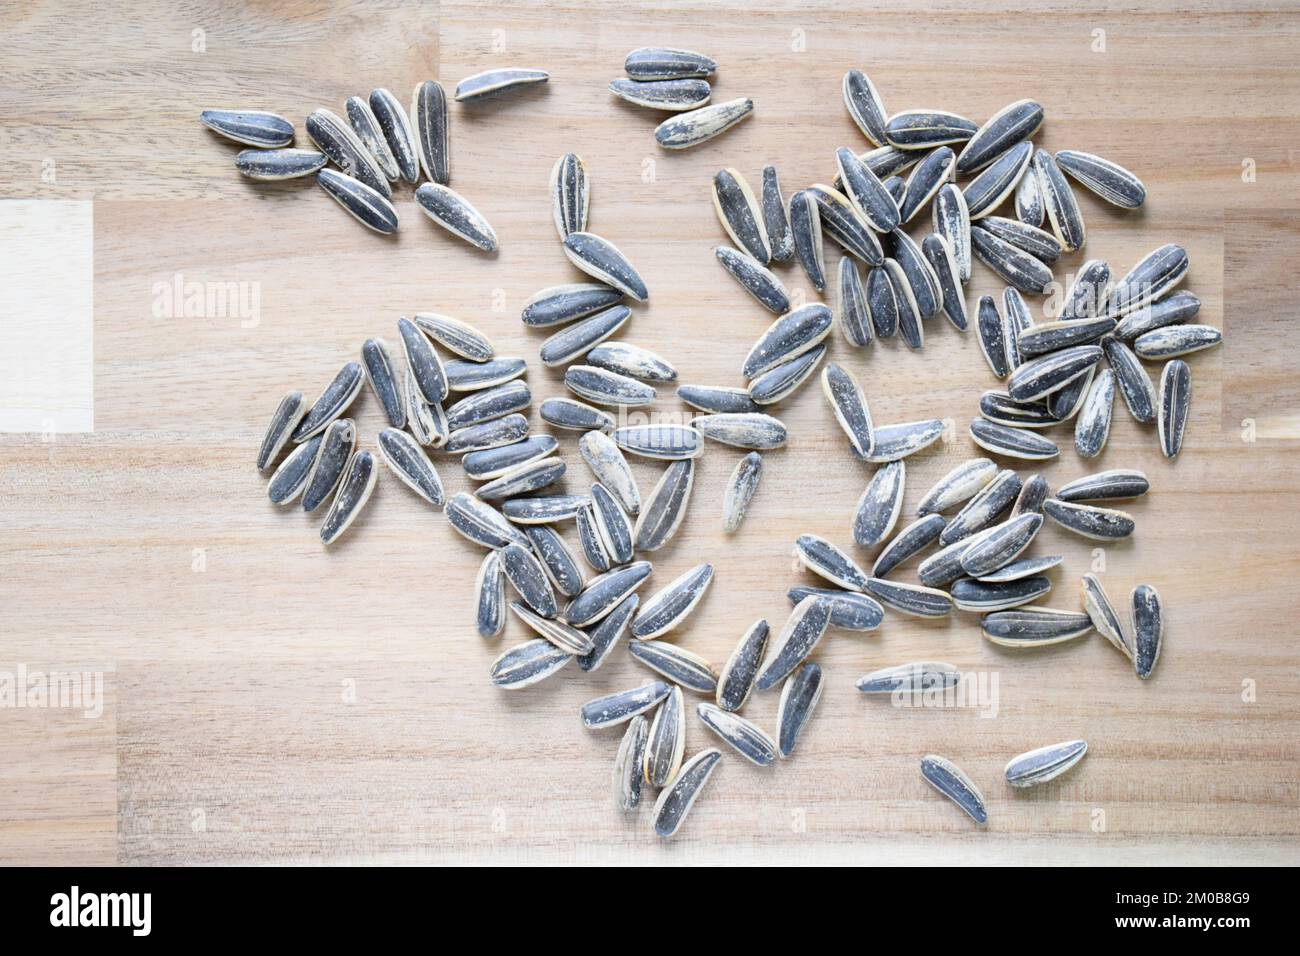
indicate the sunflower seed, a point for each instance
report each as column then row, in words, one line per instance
column 1175, row 399
column 742, row 430
column 1015, row 319
column 740, row 491
column 365, row 204
column 1157, row 273
column 465, row 376
column 1102, row 524
column 1047, row 373
column 667, row 608
column 526, row 478
column 566, row 638
column 1111, row 181
column 574, row 340
column 1148, row 629
column 1029, row 202
column 1103, row 616
column 667, row 740
column 842, row 223
column 1054, row 336
column 890, row 160
column 353, row 493
column 804, row 628
column 1044, row 764
column 491, row 83
column 378, row 365
column 882, row 305
column 670, row 95
column 911, row 599
column 607, row 388
column 1034, row 626
column 779, row 238
column 960, row 484
column 252, row 127
column 273, row 165
column 336, row 450
column 1011, row 264
column 490, row 610
column 909, row 678
column 603, row 260
column 986, row 192
column 663, row 511
column 992, row 335
column 605, row 592
column 1175, row 340
column 429, row 118
column 925, row 181
column 557, row 561
column 736, row 679
column 894, row 442
column 1086, row 298
column 1023, row 568
column 681, row 666
column 335, row 138
column 289, row 479
column 481, row 523
column 981, row 511
column 666, row 63
column 747, row 738
column 395, row 126
column 564, row 303
column 570, row 195
column 454, row 213
column 818, row 555
column 423, row 361
column 922, row 129
column 675, row 802
column 1133, row 381
column 1176, row 308
column 1065, row 403
column 938, row 253
column 806, row 233
column 950, row 780
column 428, row 422
column 332, row 403
column 782, row 381
column 952, row 221
column 740, row 214
column 613, row 709
column 1032, row 495
column 788, row 337
column 698, row 126
column 877, row 510
column 852, row 310
column 366, row 126
column 1001, row 408
column 1038, row 243
column 455, row 335
column 866, row 192
column 577, row 416
column 865, row 106
column 610, row 468
column 490, row 434
column 758, row 281
column 495, row 462
column 612, row 524
column 849, row 610
column 1058, row 199
column 1007, row 127
column 1002, row 546
column 1116, row 483
column 850, row 407
column 606, row 634
column 593, row 548
column 1012, row 442
column 527, row 663
column 972, row 595
column 544, row 509
column 488, row 404
column 287, row 415
column 629, row 763
column 667, row 442
column 527, row 577
column 913, row 539
column 924, row 284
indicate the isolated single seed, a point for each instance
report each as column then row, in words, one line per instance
column 495, row 462
column 1032, row 495
column 1116, row 483
column 957, row 486
column 736, row 679
column 607, row 633
column 912, row 599
column 667, row 742
column 1103, row 615
column 557, row 560
column 332, row 402
column 981, row 510
column 666, row 609
column 664, row 509
column 823, row 558
column 395, row 125
column 574, row 340
column 740, row 214
column 775, row 220
column 429, row 117
column 679, row 665
column 1011, row 264
column 1058, row 199
column 335, row 138
column 610, row 468
column 923, row 129
column 667, row 63
column 806, row 232
column 849, row 610
column 289, row 479
column 894, row 442
column 675, row 802
column 1178, row 307
column 845, row 226
column 603, row 260
column 1047, row 373
column 670, row 95
column 802, row 631
column 1010, row 125
column 938, row 253
column 1012, row 442
column 533, row 476
column 865, row 106
column 366, row 205
column 950, row 780
column 1037, row 242
column 479, row 522
column 566, row 638
column 488, row 404
column 1044, row 764
column 1158, row 272
column 454, row 213
column 744, row 736
column 1101, row 524
column 912, row 540
column 1109, row 180
column 558, row 304
column 1034, row 627
column 628, row 772
column 336, row 450
column 924, row 182
column 251, row 127
column 952, row 221
column 527, row 664
column 366, row 126
column 668, row 442
column 882, row 303
column 492, row 83
column 910, row 678
column 849, row 405
column 781, row 382
column 851, row 307
column 544, row 509
column 274, row 165
column 987, row 191
column 1148, row 629
column 465, row 376
column 287, row 415
column 1134, row 383
column 1029, row 202
column 878, row 508
column 740, row 491
column 699, row 126
column 614, row 709
column 757, row 280
column 866, row 192
column 350, row 499
column 1175, row 399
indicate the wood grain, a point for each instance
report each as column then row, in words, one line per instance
column 274, row 701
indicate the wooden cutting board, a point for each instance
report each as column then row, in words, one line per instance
column 268, row 700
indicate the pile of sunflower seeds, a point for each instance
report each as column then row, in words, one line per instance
column 978, row 522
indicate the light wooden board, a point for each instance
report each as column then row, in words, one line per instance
column 269, row 700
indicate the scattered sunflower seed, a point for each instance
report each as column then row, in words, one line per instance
column 574, row 340
column 942, row 262
column 775, row 220
column 997, row 181
column 920, row 277
column 878, row 508
column 959, row 485
column 1037, row 242
column 350, row 499
column 1111, row 181
column 526, row 478
column 490, row 434
column 576, row 416
column 603, row 260
column 628, row 773
column 667, row 741
column 1034, row 626
column 332, row 403
column 1103, row 615
column 1001, row 408
column 866, row 192
column 593, row 549
column 1175, row 340
column 1025, row 567
column 527, row 577
column 1102, row 524
column 1009, row 126
column 495, row 462
column 910, row 678
column 1032, row 495
column 287, row 415
column 490, row 83
column 566, row 638
column 377, row 363
column 429, row 117
column 488, row 404
column 663, row 511
column 923, row 129
column 781, row 382
column 335, row 138
column 1148, row 629
column 681, row 666
column 1011, row 264
column 490, row 610
column 740, row 214
column 610, row 468
column 754, row 430
column 843, row 224
column 366, row 126
column 1178, row 307
column 952, row 221
column 786, row 338
column 1002, row 546
column 544, row 509
column 564, row 303
column 606, row 634
column 1133, row 381
column 1158, row 272
column 557, row 560
column 757, row 280
column 981, row 510
column 666, row 63
column 670, row 95
column 803, row 629
column 668, row 442
column 481, row 523
column 454, row 213
column 422, row 359
column 1029, row 202
column 395, row 125
column 744, row 736
column 366, row 205
column 911, row 599
column 881, row 302
column 924, row 182
column 865, row 106
column 851, row 308
column 1044, row 764
column 849, row 405
column 826, row 560
column 1064, row 403
column 972, row 595
column 806, row 232
column 607, row 388
column 698, row 126
column 1012, row 442
column 1054, row 336
column 528, row 663
column 799, row 698
column 606, row 592
column 570, row 195
column 736, row 679
column 1175, row 398
column 336, row 450
column 912, row 540
column 1047, row 373
column 251, row 127
column 273, row 165
column 1058, row 199
column 455, row 335
column 613, row 709
column 1116, row 483
column 675, row 802
column 428, row 422
column 740, row 491
column 894, row 442
column 612, row 524
column 465, row 376
column 667, row 608
column 849, row 610
column 992, row 336
column 288, row 480
column 950, row 780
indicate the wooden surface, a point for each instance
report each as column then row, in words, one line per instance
column 268, row 700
